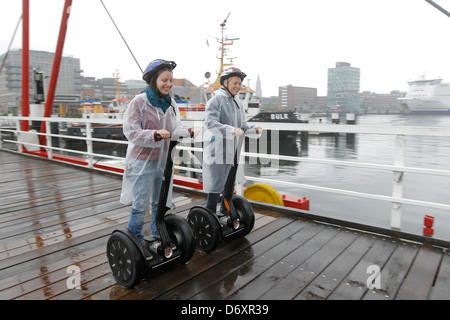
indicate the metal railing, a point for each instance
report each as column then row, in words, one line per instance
column 398, row 168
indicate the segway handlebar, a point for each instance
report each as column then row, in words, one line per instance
column 176, row 136
column 248, row 132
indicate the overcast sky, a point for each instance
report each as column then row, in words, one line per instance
column 283, row 41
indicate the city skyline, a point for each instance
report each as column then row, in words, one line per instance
column 284, row 42
column 41, row 61
column 343, row 87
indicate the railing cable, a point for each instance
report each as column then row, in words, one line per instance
column 142, row 71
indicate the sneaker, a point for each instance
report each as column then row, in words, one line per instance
column 147, row 254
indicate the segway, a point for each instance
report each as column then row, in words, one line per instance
column 209, row 228
column 125, row 252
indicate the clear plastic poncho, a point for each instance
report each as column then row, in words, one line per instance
column 223, row 115
column 146, row 158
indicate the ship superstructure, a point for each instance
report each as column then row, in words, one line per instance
column 427, row 96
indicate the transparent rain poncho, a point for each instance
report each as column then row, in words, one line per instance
column 146, row 158
column 223, row 115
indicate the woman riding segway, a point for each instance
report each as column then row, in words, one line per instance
column 150, row 120
column 224, row 122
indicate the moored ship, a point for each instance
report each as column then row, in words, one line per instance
column 279, row 117
column 427, row 96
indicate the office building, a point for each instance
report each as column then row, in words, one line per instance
column 296, row 97
column 68, row 89
column 343, row 87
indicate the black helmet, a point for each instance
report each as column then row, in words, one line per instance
column 230, row 72
column 156, row 65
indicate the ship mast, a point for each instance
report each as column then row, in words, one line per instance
column 223, row 43
column 116, row 79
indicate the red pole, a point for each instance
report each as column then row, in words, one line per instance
column 25, row 65
column 56, row 65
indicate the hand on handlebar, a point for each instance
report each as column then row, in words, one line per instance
column 238, row 132
column 194, row 132
column 164, row 134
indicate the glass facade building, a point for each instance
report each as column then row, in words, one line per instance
column 343, row 87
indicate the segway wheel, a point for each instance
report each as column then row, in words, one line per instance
column 181, row 235
column 205, row 227
column 245, row 212
column 246, row 217
column 125, row 260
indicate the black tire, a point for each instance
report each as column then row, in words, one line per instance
column 245, row 212
column 246, row 217
column 125, row 260
column 205, row 228
column 181, row 235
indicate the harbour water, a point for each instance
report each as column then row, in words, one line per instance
column 429, row 152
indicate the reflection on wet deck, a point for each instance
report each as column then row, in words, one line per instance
column 54, row 216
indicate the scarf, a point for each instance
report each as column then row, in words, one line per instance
column 163, row 103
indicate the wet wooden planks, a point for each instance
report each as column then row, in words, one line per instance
column 53, row 216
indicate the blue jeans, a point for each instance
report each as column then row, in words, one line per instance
column 136, row 222
column 141, row 199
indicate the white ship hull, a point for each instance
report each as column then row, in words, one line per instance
column 427, row 97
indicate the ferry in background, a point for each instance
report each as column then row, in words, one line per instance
column 427, row 97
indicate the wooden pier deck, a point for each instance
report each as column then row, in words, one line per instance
column 53, row 216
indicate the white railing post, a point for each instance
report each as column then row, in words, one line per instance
column 49, row 139
column 397, row 187
column 89, row 144
column 241, row 160
column 18, row 127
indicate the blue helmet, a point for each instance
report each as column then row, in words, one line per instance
column 156, row 65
